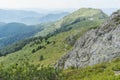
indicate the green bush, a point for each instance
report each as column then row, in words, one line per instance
column 33, row 51
column 26, row 71
column 41, row 57
column 116, row 67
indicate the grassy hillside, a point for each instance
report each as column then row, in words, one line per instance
column 26, row 71
column 103, row 71
column 74, row 20
column 55, row 47
column 24, row 63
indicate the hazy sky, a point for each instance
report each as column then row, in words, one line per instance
column 51, row 4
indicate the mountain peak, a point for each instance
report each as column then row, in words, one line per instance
column 95, row 46
column 87, row 12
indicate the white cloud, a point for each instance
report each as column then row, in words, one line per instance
column 47, row 4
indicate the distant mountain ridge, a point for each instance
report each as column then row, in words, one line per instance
column 9, row 16
column 27, row 17
column 53, row 17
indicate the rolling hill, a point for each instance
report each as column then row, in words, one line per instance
column 12, row 32
column 75, row 20
column 57, row 45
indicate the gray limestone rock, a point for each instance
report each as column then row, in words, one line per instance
column 95, row 46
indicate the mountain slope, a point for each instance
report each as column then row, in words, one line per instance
column 74, row 20
column 54, row 47
column 103, row 71
column 12, row 32
column 52, row 17
column 96, row 46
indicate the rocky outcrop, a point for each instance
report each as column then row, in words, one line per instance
column 95, row 46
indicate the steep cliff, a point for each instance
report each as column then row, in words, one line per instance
column 95, row 46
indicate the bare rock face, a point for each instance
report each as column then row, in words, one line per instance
column 95, row 46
